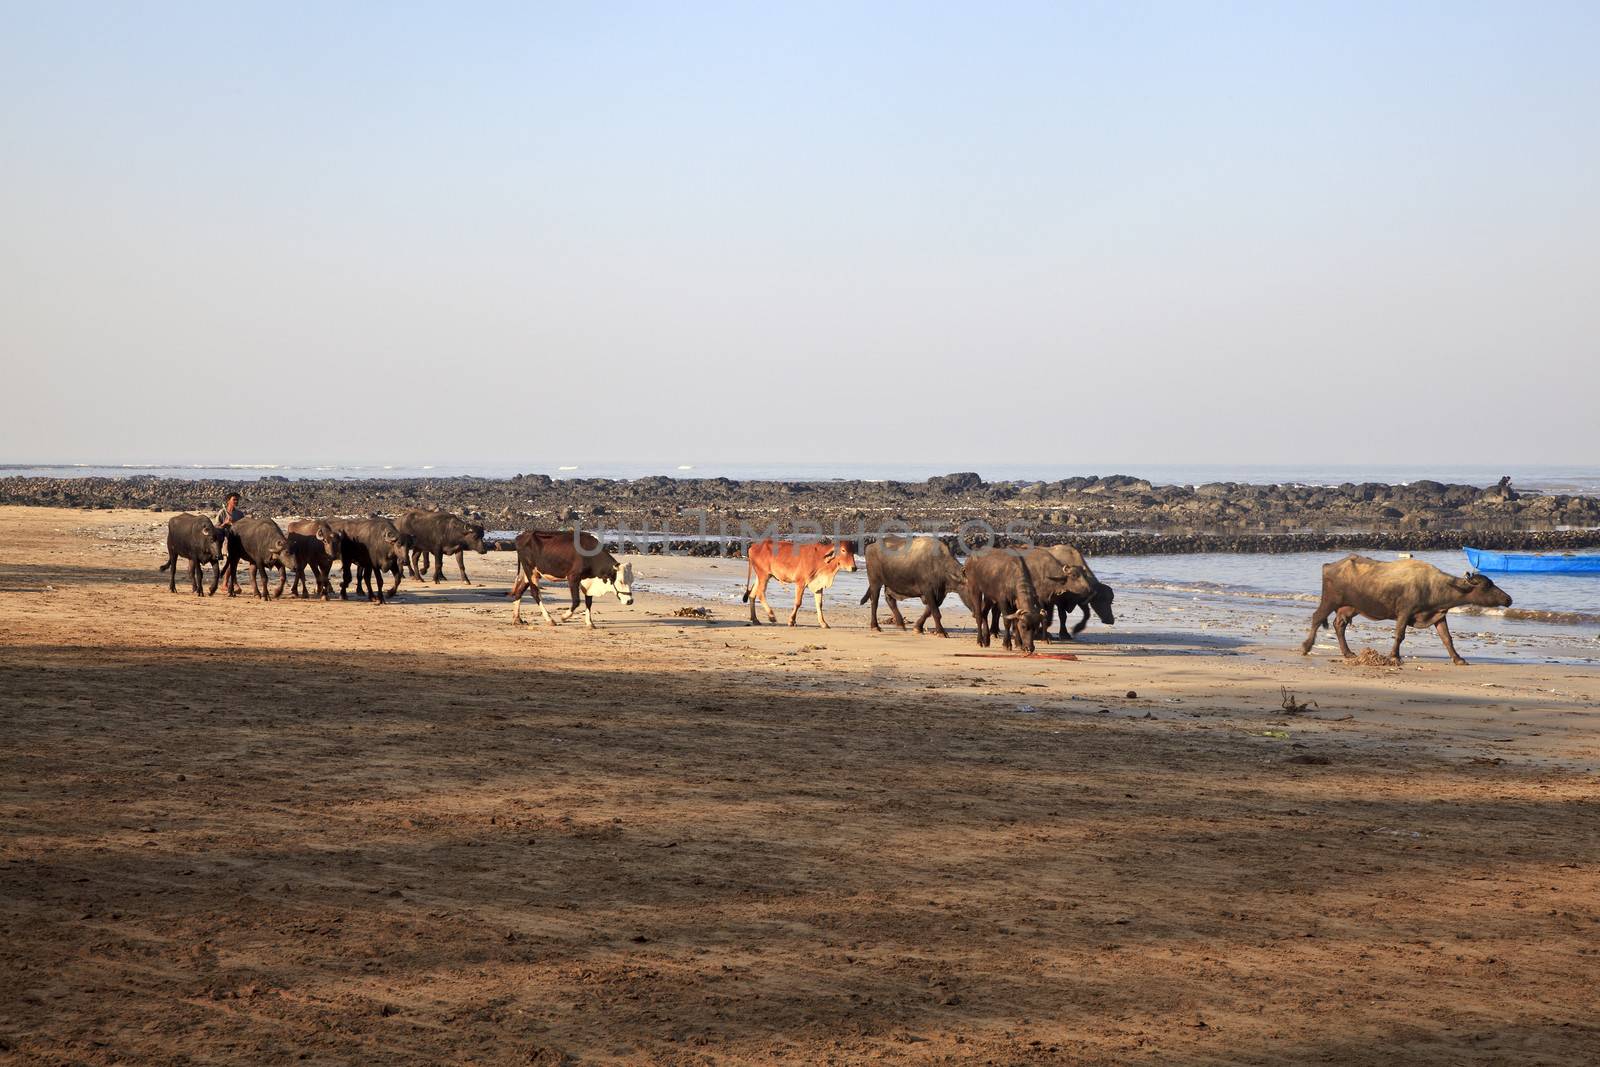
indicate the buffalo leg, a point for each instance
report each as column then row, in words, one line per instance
column 1319, row 619
column 1399, row 634
column 1449, row 646
column 344, row 585
column 872, row 598
column 894, row 611
column 1341, row 623
column 216, row 573
column 461, row 563
column 283, row 576
column 195, row 582
column 172, row 565
column 396, row 570
column 438, row 567
column 982, row 615
column 1077, row 627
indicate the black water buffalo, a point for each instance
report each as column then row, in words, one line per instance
column 1409, row 591
column 262, row 544
column 579, row 560
column 1053, row 582
column 321, row 529
column 998, row 582
column 922, row 568
column 307, row 551
column 1054, row 578
column 196, row 539
column 438, row 534
column 1099, row 600
column 371, row 546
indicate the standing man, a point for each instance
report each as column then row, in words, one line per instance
column 230, row 512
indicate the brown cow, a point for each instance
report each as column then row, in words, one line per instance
column 1409, row 591
column 579, row 559
column 805, row 566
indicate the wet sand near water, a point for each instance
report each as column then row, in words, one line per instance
column 241, row 832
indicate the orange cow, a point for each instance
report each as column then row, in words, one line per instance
column 805, row 566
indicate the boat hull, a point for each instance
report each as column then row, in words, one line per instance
column 1531, row 562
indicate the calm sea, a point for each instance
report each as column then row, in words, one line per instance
column 1563, row 479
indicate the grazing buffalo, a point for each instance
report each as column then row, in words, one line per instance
column 1052, row 582
column 998, row 582
column 262, row 544
column 806, row 566
column 578, row 559
column 371, row 546
column 902, row 568
column 1100, row 599
column 1409, row 591
column 438, row 534
column 196, row 539
column 307, row 551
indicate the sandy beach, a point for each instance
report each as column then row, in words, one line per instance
column 244, row 832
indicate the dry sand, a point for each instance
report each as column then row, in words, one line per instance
column 245, row 832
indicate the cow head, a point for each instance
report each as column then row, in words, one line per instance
column 1478, row 589
column 1101, row 603
column 619, row 581
column 842, row 555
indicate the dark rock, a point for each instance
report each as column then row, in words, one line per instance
column 964, row 482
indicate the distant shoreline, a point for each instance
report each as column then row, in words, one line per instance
column 1114, row 515
column 1545, row 478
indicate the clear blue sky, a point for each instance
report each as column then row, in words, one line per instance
column 1147, row 232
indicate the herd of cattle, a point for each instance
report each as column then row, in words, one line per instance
column 1013, row 592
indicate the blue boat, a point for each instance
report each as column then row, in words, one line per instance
column 1532, row 562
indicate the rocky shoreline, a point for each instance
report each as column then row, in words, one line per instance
column 1103, row 515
